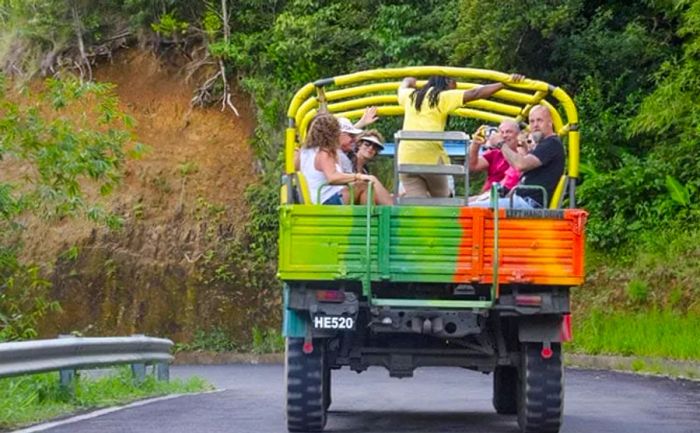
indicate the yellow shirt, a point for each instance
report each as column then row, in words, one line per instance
column 427, row 119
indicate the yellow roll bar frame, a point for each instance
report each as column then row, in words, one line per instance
column 352, row 93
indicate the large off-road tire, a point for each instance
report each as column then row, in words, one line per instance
column 306, row 411
column 540, row 389
column 505, row 390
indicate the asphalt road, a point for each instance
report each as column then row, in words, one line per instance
column 435, row 400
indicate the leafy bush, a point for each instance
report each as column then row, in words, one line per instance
column 215, row 339
column 65, row 153
column 270, row 341
column 637, row 291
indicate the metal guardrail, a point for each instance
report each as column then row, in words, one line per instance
column 67, row 354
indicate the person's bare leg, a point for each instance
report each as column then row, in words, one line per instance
column 381, row 195
column 414, row 185
column 345, row 193
column 437, row 185
column 360, row 191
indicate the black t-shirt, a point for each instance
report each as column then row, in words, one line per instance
column 550, row 152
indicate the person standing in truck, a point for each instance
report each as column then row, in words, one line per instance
column 426, row 109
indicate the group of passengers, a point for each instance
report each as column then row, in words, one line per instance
column 329, row 162
column 336, row 152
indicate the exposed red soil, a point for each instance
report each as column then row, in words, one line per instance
column 182, row 201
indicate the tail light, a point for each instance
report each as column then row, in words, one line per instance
column 330, row 296
column 528, row 300
column 566, row 332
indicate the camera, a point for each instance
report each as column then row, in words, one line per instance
column 485, row 131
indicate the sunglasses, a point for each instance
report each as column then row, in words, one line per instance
column 369, row 143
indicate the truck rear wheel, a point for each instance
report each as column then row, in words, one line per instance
column 540, row 389
column 306, row 406
column 505, row 390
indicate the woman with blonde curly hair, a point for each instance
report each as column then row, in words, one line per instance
column 318, row 161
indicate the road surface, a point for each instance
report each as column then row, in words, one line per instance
column 435, row 400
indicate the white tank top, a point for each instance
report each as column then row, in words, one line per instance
column 316, row 178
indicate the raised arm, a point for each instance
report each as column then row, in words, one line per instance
column 523, row 163
column 487, row 90
column 408, row 83
column 369, row 116
column 477, row 162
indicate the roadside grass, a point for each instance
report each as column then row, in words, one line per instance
column 652, row 333
column 30, row 399
column 217, row 340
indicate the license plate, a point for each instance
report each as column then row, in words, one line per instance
column 334, row 322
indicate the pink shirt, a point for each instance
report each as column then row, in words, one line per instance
column 497, row 167
column 511, row 178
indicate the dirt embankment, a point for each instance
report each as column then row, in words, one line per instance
column 168, row 271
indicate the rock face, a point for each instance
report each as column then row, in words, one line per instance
column 181, row 262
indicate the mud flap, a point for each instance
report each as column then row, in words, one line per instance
column 295, row 324
column 546, row 329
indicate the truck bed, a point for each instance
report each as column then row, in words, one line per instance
column 431, row 244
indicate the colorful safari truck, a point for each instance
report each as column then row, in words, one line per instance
column 429, row 283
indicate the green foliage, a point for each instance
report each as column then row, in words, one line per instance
column 262, row 228
column 636, row 197
column 215, row 339
column 23, row 298
column 270, row 341
column 35, row 398
column 170, row 26
column 660, row 271
column 657, row 333
column 212, row 23
column 187, row 168
column 637, row 291
column 679, row 193
column 63, row 148
column 67, row 136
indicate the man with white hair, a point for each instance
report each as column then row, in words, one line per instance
column 492, row 161
column 541, row 167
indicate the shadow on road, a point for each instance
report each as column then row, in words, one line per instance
column 401, row 422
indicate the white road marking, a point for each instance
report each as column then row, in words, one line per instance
column 105, row 411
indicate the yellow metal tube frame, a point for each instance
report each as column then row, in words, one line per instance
column 304, row 104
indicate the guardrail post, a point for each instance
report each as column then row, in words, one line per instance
column 67, row 380
column 162, row 371
column 67, row 375
column 138, row 370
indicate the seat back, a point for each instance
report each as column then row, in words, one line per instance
column 301, row 187
column 559, row 192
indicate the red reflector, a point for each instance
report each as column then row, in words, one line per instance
column 528, row 300
column 330, row 295
column 547, row 352
column 308, row 347
column 566, row 333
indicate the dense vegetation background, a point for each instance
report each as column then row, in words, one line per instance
column 632, row 67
